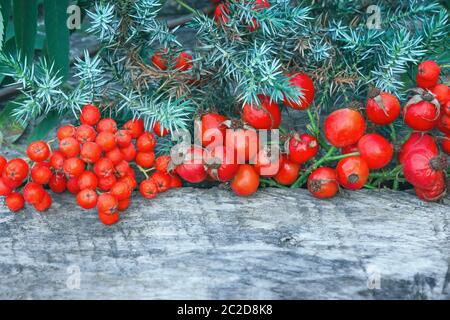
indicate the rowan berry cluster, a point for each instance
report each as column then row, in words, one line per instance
column 93, row 161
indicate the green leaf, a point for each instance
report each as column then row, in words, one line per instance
column 41, row 131
column 10, row 130
column 57, row 34
column 25, row 25
column 1, row 29
column 5, row 9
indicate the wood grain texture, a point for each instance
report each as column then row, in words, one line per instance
column 209, row 244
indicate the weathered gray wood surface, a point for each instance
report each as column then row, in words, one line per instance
column 194, row 244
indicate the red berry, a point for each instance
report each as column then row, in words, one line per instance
column 129, row 153
column 146, row 142
column 148, row 189
column 288, row 172
column 428, row 74
column 352, row 172
column 16, row 170
column 38, row 151
column 115, row 155
column 121, row 190
column 175, row 181
column 442, row 93
column 422, row 168
column 444, row 124
column 45, row 203
column 15, row 202
column 350, row 149
column 33, row 192
column 159, row 60
column 107, row 203
column 87, row 199
column 184, row 62
column 121, row 169
column 90, row 152
column 382, row 108
column 421, row 116
column 302, row 148
column 10, row 183
column 90, row 115
column 163, row 163
column 41, row 173
column 344, row 127
column 130, row 181
column 87, row 180
column 446, row 144
column 135, row 127
column 305, row 85
column 244, row 143
column 162, row 181
column 259, row 5
column 72, row 186
column 446, row 108
column 376, row 150
column 67, row 131
column 104, row 168
column 221, row 13
column 108, row 218
column 436, row 193
column 265, row 116
column 159, row 131
column 145, row 159
column 85, row 133
column 123, row 204
column 417, row 141
column 192, row 168
column 106, row 183
column 57, row 160
column 246, row 181
column 106, row 140
column 212, row 128
column 5, row 188
column 70, row 147
column 267, row 162
column 73, row 167
column 107, row 124
column 3, row 163
column 58, row 182
column 123, row 138
column 322, row 183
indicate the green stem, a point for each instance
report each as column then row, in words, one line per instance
column 143, row 171
column 393, row 132
column 312, row 121
column 282, row 130
column 342, row 156
column 315, row 130
column 271, row 183
column 186, row 6
column 302, row 179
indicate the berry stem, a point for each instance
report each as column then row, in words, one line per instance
column 186, row 6
column 393, row 132
column 271, row 183
column 302, row 179
column 143, row 171
column 315, row 130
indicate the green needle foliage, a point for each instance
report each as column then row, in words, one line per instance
column 253, row 51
